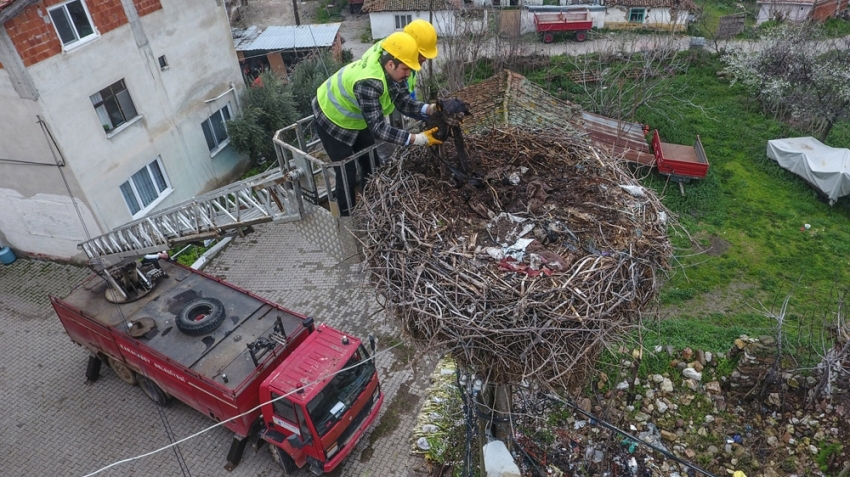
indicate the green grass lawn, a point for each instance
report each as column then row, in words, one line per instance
column 752, row 208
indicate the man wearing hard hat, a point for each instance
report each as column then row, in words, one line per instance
column 426, row 38
column 351, row 106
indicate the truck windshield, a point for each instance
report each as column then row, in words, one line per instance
column 341, row 392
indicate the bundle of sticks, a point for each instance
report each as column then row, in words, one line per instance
column 527, row 268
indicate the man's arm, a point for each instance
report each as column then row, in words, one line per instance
column 404, row 103
column 368, row 95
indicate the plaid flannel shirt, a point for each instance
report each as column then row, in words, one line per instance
column 368, row 93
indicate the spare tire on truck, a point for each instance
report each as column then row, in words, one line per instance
column 200, row 316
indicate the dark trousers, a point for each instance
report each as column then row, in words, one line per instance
column 337, row 151
column 153, row 261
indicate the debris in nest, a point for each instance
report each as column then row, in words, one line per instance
column 520, row 279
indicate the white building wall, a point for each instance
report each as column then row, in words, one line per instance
column 383, row 23
column 44, row 225
column 792, row 12
column 195, row 37
column 36, row 212
column 661, row 18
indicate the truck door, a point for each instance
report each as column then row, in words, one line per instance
column 285, row 418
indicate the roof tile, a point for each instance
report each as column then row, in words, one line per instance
column 374, row 6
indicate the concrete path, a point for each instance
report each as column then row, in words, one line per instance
column 55, row 425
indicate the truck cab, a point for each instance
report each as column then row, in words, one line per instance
column 320, row 401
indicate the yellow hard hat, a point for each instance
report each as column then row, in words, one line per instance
column 404, row 48
column 425, row 36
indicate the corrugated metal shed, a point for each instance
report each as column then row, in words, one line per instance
column 288, row 37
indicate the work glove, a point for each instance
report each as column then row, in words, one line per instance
column 431, row 109
column 426, row 138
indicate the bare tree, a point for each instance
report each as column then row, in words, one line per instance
column 798, row 76
column 618, row 77
column 726, row 28
column 834, row 367
column 479, row 36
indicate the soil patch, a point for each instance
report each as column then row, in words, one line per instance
column 717, row 246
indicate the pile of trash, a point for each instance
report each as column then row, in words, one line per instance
column 522, row 261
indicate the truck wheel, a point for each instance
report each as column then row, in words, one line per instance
column 153, row 391
column 122, row 371
column 283, row 460
column 581, row 36
column 201, row 316
column 548, row 37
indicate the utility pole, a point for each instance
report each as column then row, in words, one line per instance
column 295, row 9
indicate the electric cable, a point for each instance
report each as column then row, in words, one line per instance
column 59, row 165
column 169, row 432
column 184, row 468
column 218, row 424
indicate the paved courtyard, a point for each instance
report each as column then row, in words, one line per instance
column 55, row 425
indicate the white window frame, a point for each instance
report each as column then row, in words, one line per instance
column 162, row 193
column 402, row 21
column 78, row 41
column 220, row 144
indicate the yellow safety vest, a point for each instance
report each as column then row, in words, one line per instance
column 376, row 49
column 336, row 95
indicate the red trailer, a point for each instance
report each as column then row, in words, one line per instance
column 547, row 24
column 681, row 163
column 228, row 354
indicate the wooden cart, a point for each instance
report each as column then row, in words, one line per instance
column 547, row 24
column 680, row 163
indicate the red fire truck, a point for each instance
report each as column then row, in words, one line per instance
column 308, row 390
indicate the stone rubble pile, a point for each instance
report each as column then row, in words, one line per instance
column 710, row 420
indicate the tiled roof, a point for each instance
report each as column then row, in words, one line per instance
column 5, row 3
column 374, row 6
column 510, row 98
column 287, row 37
column 677, row 4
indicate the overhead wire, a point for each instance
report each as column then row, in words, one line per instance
column 219, row 424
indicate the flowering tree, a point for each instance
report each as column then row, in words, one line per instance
column 797, row 75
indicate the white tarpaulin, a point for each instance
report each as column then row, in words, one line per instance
column 825, row 168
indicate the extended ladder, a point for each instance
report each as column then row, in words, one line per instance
column 270, row 196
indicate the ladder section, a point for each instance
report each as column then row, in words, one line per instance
column 270, row 196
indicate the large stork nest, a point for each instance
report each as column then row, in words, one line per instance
column 448, row 255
